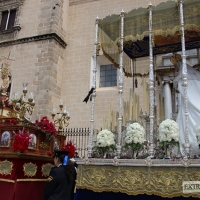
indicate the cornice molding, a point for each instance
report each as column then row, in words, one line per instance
column 34, row 39
column 5, row 4
column 75, row 2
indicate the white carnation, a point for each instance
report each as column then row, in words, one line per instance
column 135, row 133
column 105, row 138
column 168, row 130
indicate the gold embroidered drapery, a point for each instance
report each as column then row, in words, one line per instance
column 134, row 180
column 166, row 31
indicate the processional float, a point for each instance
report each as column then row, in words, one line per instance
column 117, row 47
column 162, row 177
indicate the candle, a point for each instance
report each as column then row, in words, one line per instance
column 148, row 97
column 160, row 114
column 134, row 106
column 61, row 102
column 138, row 108
column 65, row 110
column 54, row 111
column 109, row 113
column 113, row 119
column 124, row 113
column 111, row 123
column 144, row 94
column 130, row 110
column 104, row 123
column 130, row 105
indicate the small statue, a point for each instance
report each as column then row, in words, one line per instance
column 5, row 85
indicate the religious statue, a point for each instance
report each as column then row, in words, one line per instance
column 193, row 97
column 5, row 86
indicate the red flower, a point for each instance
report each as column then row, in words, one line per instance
column 11, row 121
column 49, row 153
column 21, row 141
column 47, row 126
column 70, row 147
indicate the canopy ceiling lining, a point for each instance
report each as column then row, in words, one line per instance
column 166, row 31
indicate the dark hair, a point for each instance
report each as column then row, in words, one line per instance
column 69, row 168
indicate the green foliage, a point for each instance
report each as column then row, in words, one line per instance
column 134, row 146
column 102, row 150
column 171, row 143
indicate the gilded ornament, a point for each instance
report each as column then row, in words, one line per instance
column 6, row 167
column 134, row 180
column 46, row 168
column 44, row 145
column 29, row 169
column 12, row 114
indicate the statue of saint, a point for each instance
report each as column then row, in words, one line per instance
column 5, row 86
column 193, row 96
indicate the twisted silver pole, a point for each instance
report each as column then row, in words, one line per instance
column 184, row 76
column 93, row 86
column 151, row 84
column 120, row 87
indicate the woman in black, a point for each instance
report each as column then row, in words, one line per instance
column 60, row 185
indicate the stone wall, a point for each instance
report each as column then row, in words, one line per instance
column 80, row 49
column 53, row 52
column 37, row 52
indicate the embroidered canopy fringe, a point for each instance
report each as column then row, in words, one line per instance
column 136, row 27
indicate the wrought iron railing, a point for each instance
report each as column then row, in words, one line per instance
column 80, row 137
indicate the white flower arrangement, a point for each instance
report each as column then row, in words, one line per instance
column 105, row 138
column 168, row 133
column 135, row 133
column 198, row 134
column 105, row 143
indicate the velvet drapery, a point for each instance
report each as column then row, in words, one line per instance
column 17, row 184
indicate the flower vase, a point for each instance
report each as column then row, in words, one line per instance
column 105, row 155
column 167, row 152
column 134, row 153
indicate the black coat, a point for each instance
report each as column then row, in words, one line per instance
column 58, row 187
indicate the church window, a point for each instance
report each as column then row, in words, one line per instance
column 8, row 19
column 108, row 76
